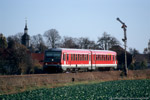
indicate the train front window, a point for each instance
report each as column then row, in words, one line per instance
column 54, row 55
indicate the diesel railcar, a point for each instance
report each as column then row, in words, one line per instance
column 62, row 59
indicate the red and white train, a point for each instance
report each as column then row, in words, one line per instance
column 62, row 59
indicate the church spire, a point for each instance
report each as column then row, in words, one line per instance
column 26, row 28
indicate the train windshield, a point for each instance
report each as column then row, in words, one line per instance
column 55, row 56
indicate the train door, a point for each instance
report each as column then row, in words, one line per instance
column 64, row 58
column 67, row 59
column 113, row 59
column 94, row 61
column 90, row 63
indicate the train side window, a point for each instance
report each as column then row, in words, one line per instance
column 89, row 57
column 107, row 57
column 67, row 57
column 76, row 57
column 100, row 57
column 83, row 57
column 73, row 57
column 86, row 57
column 103, row 57
column 96, row 58
column 64, row 57
column 113, row 58
column 110, row 57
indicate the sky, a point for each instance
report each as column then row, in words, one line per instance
column 79, row 18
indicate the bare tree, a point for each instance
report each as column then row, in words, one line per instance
column 93, row 45
column 17, row 37
column 52, row 36
column 145, row 51
column 38, row 43
column 134, row 52
column 85, row 43
column 106, row 41
column 69, row 42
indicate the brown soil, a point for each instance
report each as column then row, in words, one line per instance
column 18, row 83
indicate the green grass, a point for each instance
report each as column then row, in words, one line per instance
column 95, row 91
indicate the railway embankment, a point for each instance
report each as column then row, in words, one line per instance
column 18, row 83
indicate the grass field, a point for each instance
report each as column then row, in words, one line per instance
column 111, row 90
column 10, row 84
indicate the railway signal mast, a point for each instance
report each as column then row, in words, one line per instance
column 125, row 45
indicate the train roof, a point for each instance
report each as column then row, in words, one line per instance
column 87, row 50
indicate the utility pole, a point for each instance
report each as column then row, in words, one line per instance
column 125, row 45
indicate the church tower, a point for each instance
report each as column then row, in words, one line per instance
column 26, row 38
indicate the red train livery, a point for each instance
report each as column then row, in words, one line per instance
column 62, row 59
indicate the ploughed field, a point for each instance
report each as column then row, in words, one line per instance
column 111, row 90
